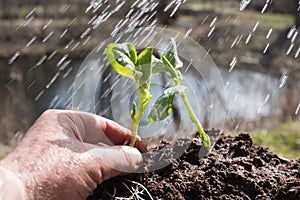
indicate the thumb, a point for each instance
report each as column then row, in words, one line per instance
column 115, row 160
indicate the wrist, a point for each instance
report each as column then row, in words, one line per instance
column 11, row 186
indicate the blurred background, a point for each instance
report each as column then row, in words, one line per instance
column 255, row 44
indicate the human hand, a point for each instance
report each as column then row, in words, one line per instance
column 65, row 154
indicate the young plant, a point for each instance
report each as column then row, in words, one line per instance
column 126, row 62
column 162, row 108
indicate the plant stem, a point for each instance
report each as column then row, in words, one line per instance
column 137, row 118
column 204, row 136
column 134, row 130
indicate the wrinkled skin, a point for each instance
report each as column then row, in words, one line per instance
column 65, row 154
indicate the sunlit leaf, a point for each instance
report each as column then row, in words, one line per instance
column 169, row 66
column 123, row 58
column 145, row 65
column 172, row 55
column 162, row 108
column 158, row 66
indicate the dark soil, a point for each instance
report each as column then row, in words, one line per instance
column 235, row 169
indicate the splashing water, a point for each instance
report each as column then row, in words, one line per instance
column 140, row 13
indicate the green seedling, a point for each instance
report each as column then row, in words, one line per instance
column 162, row 108
column 126, row 62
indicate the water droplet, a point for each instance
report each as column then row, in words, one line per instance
column 241, row 37
column 30, row 13
column 14, row 57
column 53, row 101
column 255, row 27
column 290, row 49
column 41, row 60
column 226, row 85
column 47, row 37
column 244, row 4
column 211, row 31
column 30, row 85
column 169, row 5
column 31, row 41
column 232, row 64
column 69, row 44
column 283, row 80
column 267, row 98
column 92, row 19
column 68, row 72
column 213, row 22
column 234, row 42
column 266, row 48
column 9, row 82
column 236, row 97
column 297, row 109
column 189, row 65
column 265, row 7
column 85, row 33
column 86, row 40
column 60, row 62
column 39, row 95
column 65, row 8
column 72, row 22
column 175, row 9
column 52, row 55
column 52, row 80
column 63, row 33
column 63, row 67
column 75, row 46
column 298, row 52
column 205, row 18
column 107, row 77
column 46, row 25
column 294, row 37
column 27, row 22
column 248, row 38
column 291, row 32
column 269, row 34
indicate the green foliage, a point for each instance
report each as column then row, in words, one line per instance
column 284, row 140
column 124, row 60
column 163, row 105
column 170, row 63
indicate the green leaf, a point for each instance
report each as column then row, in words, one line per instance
column 162, row 108
column 123, row 59
column 170, row 68
column 158, row 66
column 172, row 55
column 180, row 89
column 145, row 66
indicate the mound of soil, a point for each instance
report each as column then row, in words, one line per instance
column 234, row 169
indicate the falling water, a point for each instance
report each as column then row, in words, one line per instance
column 57, row 67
